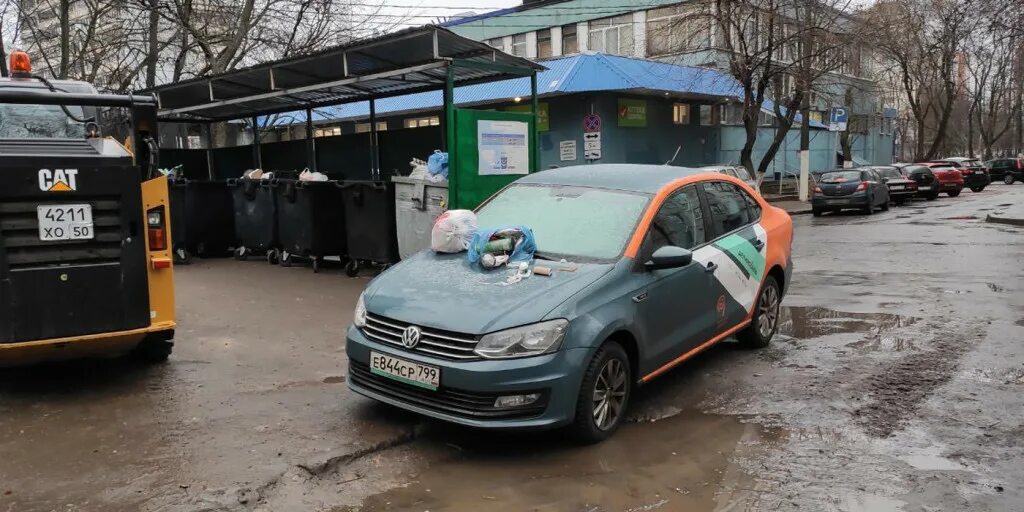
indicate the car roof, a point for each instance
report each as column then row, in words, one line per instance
column 648, row 179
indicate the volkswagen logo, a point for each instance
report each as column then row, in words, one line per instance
column 411, row 336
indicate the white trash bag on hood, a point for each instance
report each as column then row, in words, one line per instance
column 453, row 231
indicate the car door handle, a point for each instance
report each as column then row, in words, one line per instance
column 712, row 266
column 759, row 244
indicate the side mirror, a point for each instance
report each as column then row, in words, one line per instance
column 669, row 256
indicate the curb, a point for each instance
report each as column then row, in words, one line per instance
column 997, row 219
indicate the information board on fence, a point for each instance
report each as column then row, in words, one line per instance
column 567, row 150
column 503, row 147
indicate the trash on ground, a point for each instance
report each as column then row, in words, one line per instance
column 453, row 231
column 257, row 174
column 541, row 271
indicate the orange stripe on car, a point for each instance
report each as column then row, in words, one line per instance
column 700, row 348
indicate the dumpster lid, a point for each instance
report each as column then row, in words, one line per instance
column 401, row 62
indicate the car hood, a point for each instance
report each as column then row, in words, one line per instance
column 445, row 291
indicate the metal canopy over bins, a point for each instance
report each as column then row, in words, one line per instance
column 408, row 61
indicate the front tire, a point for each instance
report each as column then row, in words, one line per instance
column 932, row 197
column 977, row 189
column 604, row 395
column 869, row 209
column 953, row 193
column 1008, row 179
column 885, row 206
column 766, row 317
column 816, row 212
column 153, row 352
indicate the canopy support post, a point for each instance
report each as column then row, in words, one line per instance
column 374, row 148
column 534, row 133
column 310, row 141
column 208, row 139
column 449, row 144
column 257, row 156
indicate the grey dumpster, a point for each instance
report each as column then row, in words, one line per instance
column 417, row 204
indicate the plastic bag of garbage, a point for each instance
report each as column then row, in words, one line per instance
column 453, row 231
column 419, row 169
column 515, row 242
column 437, row 163
column 306, row 175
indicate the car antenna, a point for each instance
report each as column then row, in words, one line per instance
column 678, row 148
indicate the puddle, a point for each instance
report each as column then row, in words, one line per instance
column 676, row 464
column 334, row 379
column 813, row 322
column 1020, row 322
column 926, row 462
column 863, row 502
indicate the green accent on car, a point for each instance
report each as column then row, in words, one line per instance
column 742, row 251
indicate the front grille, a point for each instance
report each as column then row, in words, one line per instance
column 19, row 229
column 464, row 404
column 436, row 342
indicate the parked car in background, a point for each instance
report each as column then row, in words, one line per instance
column 901, row 188
column 1008, row 170
column 974, row 172
column 927, row 183
column 951, row 180
column 736, row 171
column 844, row 189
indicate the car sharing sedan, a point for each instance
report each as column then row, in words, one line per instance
column 843, row 189
column 901, row 188
column 648, row 266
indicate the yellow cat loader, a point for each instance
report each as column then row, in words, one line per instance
column 85, row 261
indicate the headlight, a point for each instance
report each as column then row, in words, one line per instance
column 359, row 317
column 528, row 340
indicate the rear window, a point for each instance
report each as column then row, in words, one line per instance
column 915, row 169
column 888, row 172
column 840, row 177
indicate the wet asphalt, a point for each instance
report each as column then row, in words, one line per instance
column 895, row 384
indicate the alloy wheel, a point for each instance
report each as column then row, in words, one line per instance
column 610, row 394
column 768, row 314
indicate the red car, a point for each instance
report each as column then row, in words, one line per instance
column 974, row 171
column 951, row 181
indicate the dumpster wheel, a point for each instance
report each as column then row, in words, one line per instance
column 286, row 259
column 352, row 268
column 241, row 253
column 317, row 262
column 273, row 256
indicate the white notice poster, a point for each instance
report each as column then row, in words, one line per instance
column 503, row 146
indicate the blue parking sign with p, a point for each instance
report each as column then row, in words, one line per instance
column 838, row 118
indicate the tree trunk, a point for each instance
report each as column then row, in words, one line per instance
column 3, row 55
column 970, row 132
column 846, row 143
column 65, row 38
column 154, row 43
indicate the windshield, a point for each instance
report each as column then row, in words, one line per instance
column 840, row 177
column 39, row 122
column 888, row 172
column 568, row 221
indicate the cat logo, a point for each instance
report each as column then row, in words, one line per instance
column 58, row 180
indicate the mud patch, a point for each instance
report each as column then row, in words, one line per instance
column 334, row 379
column 896, row 392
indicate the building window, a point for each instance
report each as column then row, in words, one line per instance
column 732, row 114
column 676, row 28
column 708, row 115
column 544, row 43
column 519, row 45
column 612, row 35
column 365, row 127
column 327, row 132
column 681, row 113
column 497, row 42
column 569, row 43
column 420, row 122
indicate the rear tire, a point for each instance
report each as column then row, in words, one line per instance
column 816, row 212
column 869, row 209
column 900, row 201
column 953, row 193
column 765, row 321
column 977, row 189
column 933, row 196
column 607, row 386
column 885, row 206
column 1008, row 179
